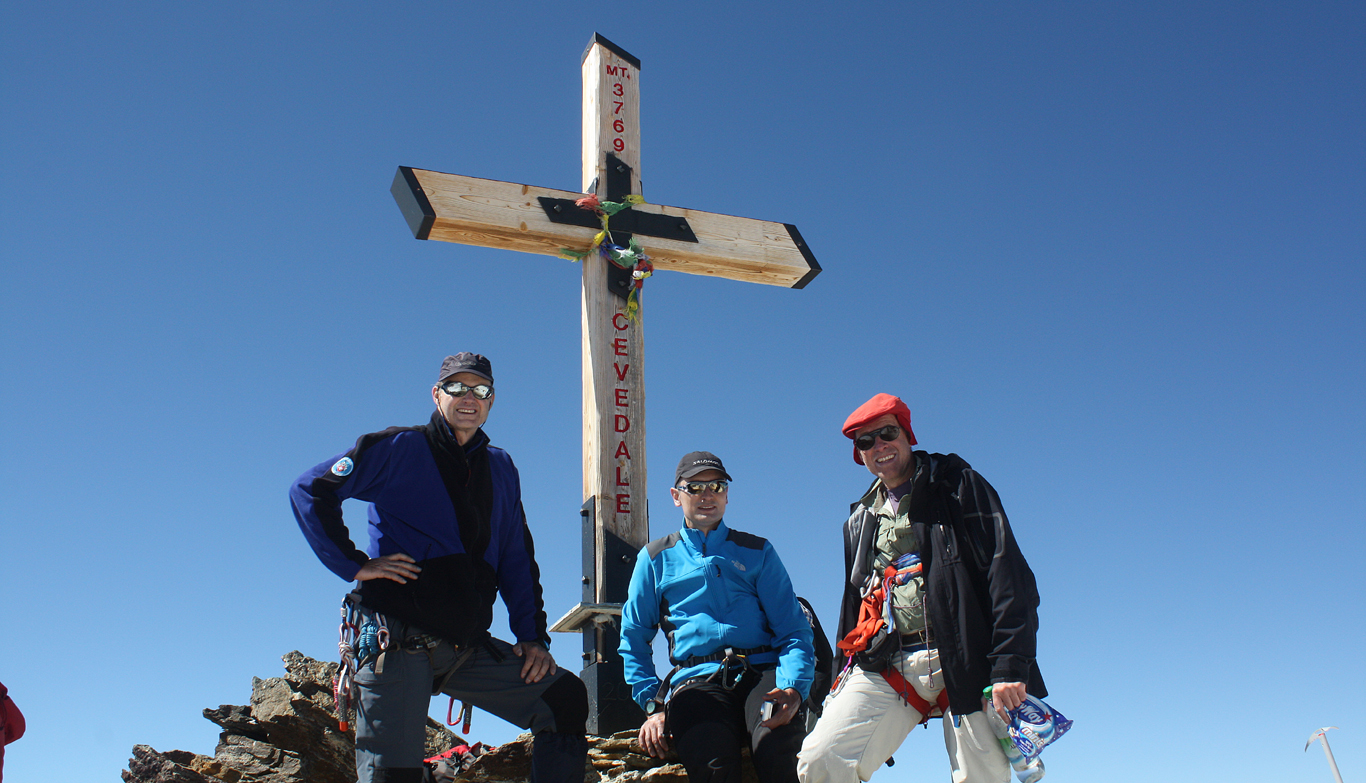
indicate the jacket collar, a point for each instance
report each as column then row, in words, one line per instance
column 877, row 493
column 443, row 432
column 696, row 541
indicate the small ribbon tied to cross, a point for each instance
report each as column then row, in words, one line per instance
column 629, row 257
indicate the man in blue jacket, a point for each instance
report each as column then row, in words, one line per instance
column 738, row 640
column 447, row 534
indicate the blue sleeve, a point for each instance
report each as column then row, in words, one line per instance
column 791, row 630
column 519, row 578
column 639, row 624
column 317, row 497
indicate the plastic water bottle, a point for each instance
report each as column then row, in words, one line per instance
column 1033, row 725
column 1025, row 771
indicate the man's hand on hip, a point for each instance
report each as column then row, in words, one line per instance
column 536, row 661
column 398, row 567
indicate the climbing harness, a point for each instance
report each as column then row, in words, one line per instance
column 364, row 635
column 462, row 655
column 734, row 664
column 904, row 689
column 875, row 612
column 876, row 618
column 358, row 639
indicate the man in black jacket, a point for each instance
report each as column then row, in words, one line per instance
column 938, row 605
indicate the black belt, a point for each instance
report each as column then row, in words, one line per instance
column 727, row 657
column 413, row 637
column 914, row 639
column 730, row 652
column 423, row 641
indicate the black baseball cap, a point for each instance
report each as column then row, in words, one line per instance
column 695, row 462
column 466, row 362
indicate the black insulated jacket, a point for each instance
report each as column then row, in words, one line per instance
column 981, row 598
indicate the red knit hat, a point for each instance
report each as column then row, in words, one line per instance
column 874, row 409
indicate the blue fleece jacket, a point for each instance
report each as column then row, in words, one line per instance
column 469, row 551
column 708, row 592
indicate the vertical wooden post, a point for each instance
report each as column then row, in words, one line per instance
column 614, row 487
column 613, row 345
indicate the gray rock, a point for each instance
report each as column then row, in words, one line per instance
column 149, row 766
column 289, row 734
column 236, row 719
column 259, row 762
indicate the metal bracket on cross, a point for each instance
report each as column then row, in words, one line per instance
column 625, row 224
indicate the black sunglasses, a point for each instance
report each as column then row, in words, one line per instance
column 457, row 389
column 866, row 440
column 697, row 487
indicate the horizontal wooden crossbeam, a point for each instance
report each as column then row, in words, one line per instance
column 489, row 213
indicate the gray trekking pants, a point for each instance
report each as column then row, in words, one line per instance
column 392, row 706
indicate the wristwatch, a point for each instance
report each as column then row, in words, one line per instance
column 653, row 706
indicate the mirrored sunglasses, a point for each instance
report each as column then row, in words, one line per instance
column 698, row 487
column 457, row 389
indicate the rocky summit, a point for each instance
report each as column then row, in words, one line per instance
column 289, row 734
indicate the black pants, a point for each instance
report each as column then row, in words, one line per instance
column 708, row 724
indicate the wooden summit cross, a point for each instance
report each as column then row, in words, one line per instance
column 466, row 210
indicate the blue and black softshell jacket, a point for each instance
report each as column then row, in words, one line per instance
column 456, row 510
column 709, row 592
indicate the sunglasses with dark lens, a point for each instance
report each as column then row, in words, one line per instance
column 457, row 389
column 866, row 440
column 698, row 487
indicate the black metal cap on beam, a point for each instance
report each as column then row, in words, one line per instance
column 806, row 254
column 413, row 203
column 617, row 50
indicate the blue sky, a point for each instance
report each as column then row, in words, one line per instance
column 1113, row 254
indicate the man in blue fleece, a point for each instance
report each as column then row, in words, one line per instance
column 738, row 640
column 447, row 535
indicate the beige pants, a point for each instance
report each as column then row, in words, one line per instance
column 865, row 721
